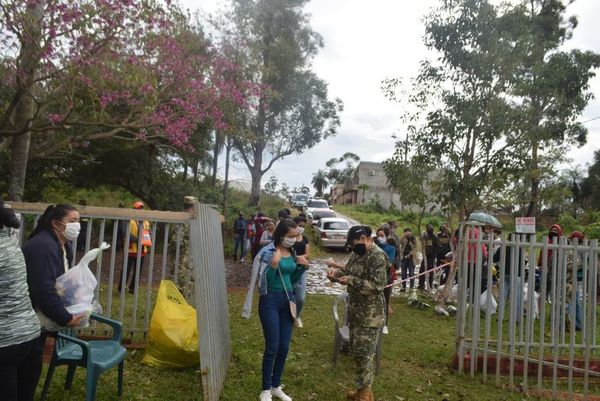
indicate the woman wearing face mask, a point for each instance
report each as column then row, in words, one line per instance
column 279, row 270
column 267, row 235
column 48, row 255
column 302, row 248
column 20, row 347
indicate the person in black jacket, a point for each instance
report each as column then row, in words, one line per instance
column 48, row 255
column 514, row 262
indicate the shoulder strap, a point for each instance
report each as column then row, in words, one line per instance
column 283, row 283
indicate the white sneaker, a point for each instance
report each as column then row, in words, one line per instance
column 278, row 392
column 299, row 323
column 265, row 395
column 385, row 330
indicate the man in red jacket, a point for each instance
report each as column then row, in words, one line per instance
column 547, row 270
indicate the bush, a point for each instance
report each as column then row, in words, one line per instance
column 569, row 224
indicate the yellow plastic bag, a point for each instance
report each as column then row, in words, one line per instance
column 173, row 334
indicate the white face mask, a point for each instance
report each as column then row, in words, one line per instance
column 72, row 231
column 382, row 240
column 288, row 242
column 300, row 230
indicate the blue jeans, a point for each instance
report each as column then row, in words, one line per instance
column 300, row 291
column 408, row 268
column 238, row 242
column 578, row 306
column 277, row 324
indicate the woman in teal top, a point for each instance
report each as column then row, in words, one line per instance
column 283, row 271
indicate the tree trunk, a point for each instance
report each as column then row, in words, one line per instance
column 255, row 192
column 185, row 170
column 195, row 170
column 226, row 182
column 24, row 111
column 256, row 173
column 215, row 165
column 532, row 209
column 19, row 152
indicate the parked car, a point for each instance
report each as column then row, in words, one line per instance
column 299, row 200
column 332, row 232
column 318, row 214
column 314, row 204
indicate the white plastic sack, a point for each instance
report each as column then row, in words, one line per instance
column 453, row 293
column 487, row 298
column 536, row 301
column 78, row 285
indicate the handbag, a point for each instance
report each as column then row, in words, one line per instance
column 293, row 310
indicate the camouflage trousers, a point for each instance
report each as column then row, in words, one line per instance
column 364, row 345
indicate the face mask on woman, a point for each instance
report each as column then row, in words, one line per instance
column 72, row 231
column 382, row 240
column 288, row 242
column 300, row 230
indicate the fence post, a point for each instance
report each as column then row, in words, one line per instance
column 206, row 251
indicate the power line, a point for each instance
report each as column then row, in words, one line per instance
column 590, row 120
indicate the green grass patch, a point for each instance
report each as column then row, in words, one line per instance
column 416, row 363
column 375, row 218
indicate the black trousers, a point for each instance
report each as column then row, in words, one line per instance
column 20, row 369
column 131, row 265
column 430, row 265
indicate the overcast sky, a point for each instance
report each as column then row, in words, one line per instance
column 365, row 44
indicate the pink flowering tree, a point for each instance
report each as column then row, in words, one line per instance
column 77, row 71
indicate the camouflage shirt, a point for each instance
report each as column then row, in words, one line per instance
column 368, row 277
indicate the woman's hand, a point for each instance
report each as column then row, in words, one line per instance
column 344, row 280
column 301, row 260
column 276, row 258
column 331, row 272
column 76, row 320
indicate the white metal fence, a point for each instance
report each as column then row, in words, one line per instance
column 532, row 339
column 185, row 247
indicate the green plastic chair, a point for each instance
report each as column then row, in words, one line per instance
column 95, row 356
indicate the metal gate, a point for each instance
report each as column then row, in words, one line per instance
column 186, row 248
column 518, row 320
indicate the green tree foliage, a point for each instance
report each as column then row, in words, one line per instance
column 271, row 186
column 500, row 101
column 320, row 182
column 590, row 186
column 293, row 113
column 414, row 180
column 341, row 169
column 458, row 113
column 549, row 87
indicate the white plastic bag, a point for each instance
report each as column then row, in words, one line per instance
column 78, row 285
column 485, row 298
column 536, row 301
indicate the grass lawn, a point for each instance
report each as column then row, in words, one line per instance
column 415, row 365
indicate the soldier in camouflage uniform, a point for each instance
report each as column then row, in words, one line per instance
column 366, row 276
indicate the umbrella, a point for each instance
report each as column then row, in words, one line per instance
column 485, row 218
